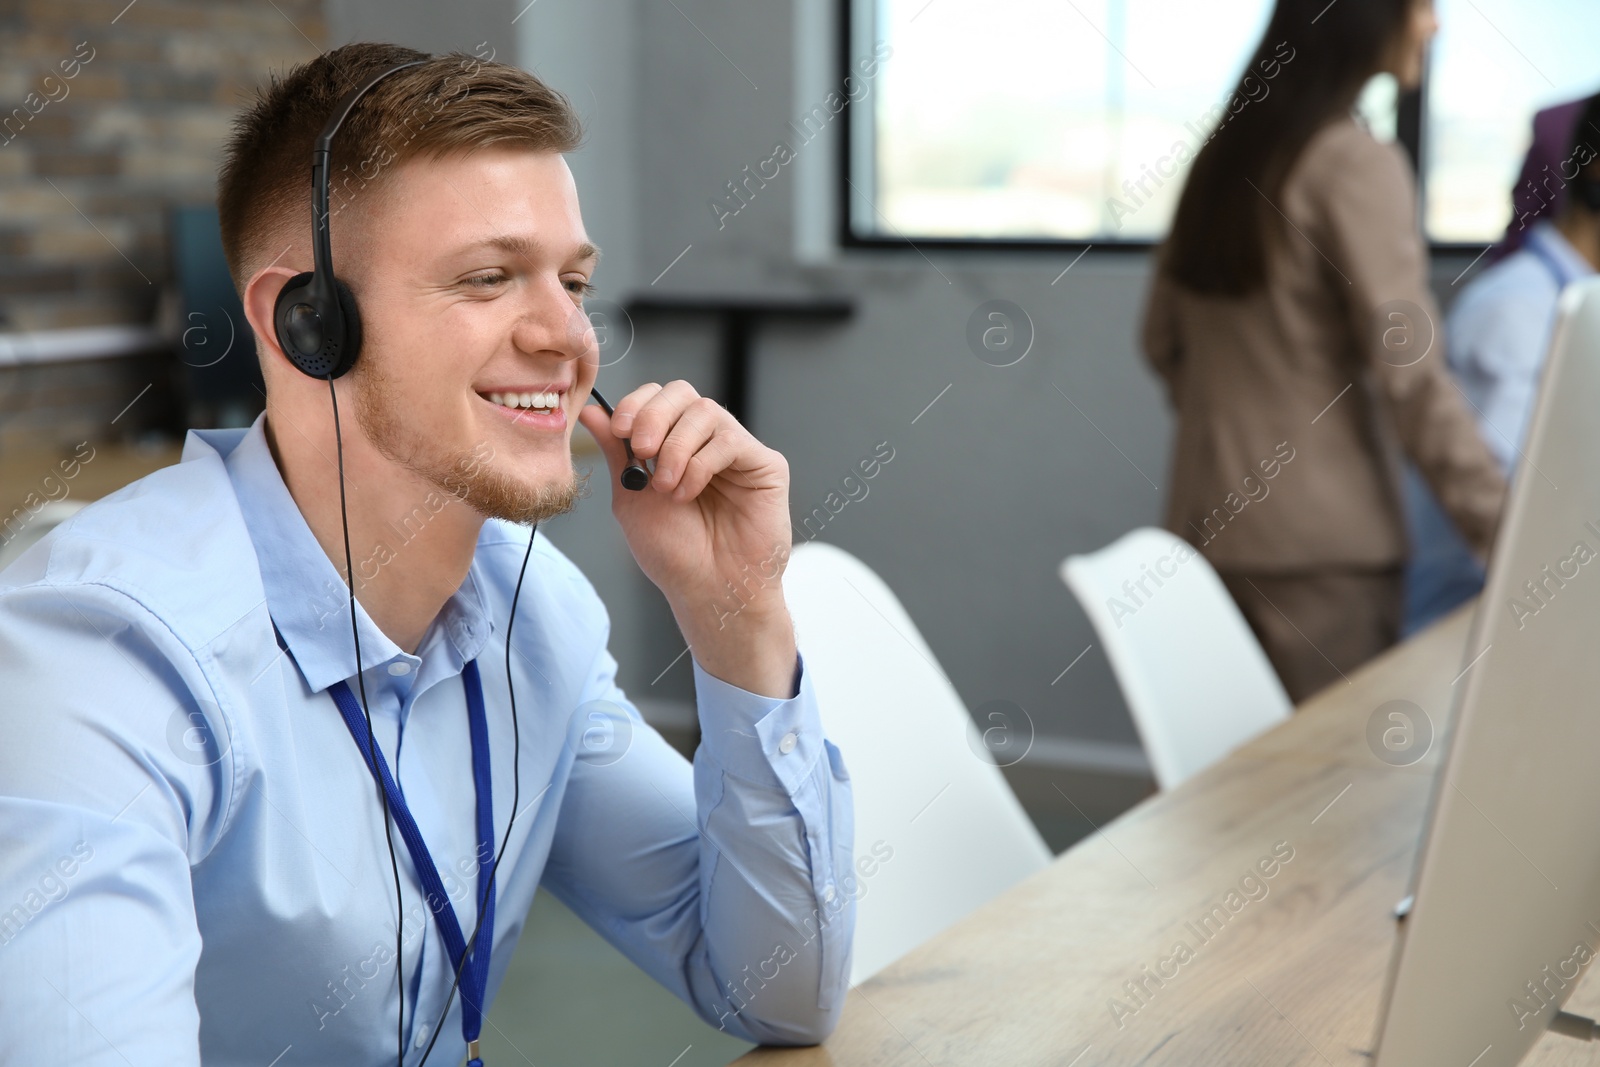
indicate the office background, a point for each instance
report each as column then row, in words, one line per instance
column 998, row 472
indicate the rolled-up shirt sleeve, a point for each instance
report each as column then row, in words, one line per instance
column 721, row 881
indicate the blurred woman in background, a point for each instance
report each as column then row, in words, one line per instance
column 1290, row 317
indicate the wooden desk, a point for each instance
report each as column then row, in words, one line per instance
column 1294, row 977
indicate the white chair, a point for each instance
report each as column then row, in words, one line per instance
column 952, row 829
column 1192, row 672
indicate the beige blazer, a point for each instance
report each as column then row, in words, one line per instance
column 1292, row 403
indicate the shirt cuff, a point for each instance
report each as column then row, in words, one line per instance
column 758, row 738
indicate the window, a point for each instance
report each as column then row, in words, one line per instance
column 1494, row 63
column 1038, row 119
column 1025, row 122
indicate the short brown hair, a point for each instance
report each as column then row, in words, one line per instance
column 453, row 103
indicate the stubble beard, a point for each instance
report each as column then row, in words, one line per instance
column 466, row 474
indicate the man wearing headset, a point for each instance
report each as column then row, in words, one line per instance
column 193, row 814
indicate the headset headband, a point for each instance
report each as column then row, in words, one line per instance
column 316, row 319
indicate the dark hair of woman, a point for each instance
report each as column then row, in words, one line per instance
column 1225, row 217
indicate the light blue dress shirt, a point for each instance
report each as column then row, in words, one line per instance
column 1498, row 333
column 192, row 858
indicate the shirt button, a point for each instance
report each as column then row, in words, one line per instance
column 786, row 746
column 828, row 894
column 399, row 668
column 422, row 1036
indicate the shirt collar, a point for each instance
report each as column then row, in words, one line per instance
column 1549, row 239
column 306, row 595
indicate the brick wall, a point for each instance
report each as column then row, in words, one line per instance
column 110, row 112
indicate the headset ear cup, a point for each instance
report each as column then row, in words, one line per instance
column 350, row 344
column 334, row 351
column 295, row 291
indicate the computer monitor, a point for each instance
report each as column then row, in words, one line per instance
column 1505, row 912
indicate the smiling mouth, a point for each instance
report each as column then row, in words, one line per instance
column 544, row 403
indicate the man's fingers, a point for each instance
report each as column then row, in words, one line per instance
column 691, row 438
column 735, row 454
column 622, row 414
column 656, row 415
column 695, row 425
column 716, row 456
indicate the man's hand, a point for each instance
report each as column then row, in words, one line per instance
column 711, row 530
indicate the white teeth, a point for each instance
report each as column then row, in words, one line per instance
column 535, row 401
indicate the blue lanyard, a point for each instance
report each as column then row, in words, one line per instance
column 475, row 975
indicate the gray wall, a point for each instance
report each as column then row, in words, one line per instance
column 456, row 26
column 990, row 487
column 1002, row 477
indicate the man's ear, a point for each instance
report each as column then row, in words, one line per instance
column 260, row 298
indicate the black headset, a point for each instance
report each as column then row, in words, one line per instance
column 318, row 326
column 316, row 319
